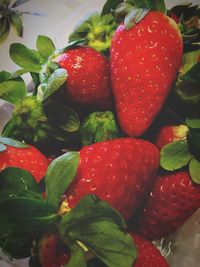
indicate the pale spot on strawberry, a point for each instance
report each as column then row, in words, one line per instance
column 129, row 78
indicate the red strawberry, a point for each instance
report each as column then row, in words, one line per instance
column 52, row 252
column 173, row 199
column 171, row 133
column 27, row 158
column 119, row 171
column 144, row 63
column 148, row 254
column 88, row 83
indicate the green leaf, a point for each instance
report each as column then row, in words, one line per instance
column 59, row 176
column 26, row 58
column 15, row 181
column 193, row 122
column 16, row 22
column 134, row 17
column 62, row 116
column 175, row 155
column 193, row 75
column 194, row 141
column 102, row 231
column 4, row 28
column 18, row 3
column 77, row 257
column 158, row 5
column 73, row 44
column 13, row 90
column 189, row 60
column 12, row 142
column 4, row 76
column 45, row 46
column 109, row 6
column 55, row 81
column 194, row 170
column 2, row 147
column 25, row 216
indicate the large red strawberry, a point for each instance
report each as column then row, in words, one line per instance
column 173, row 199
column 88, row 82
column 28, row 158
column 52, row 252
column 144, row 60
column 148, row 254
column 119, row 171
column 171, row 133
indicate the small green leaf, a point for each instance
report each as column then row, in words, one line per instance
column 73, row 44
column 4, row 76
column 193, row 74
column 158, row 5
column 26, row 58
column 45, row 46
column 109, row 6
column 13, row 90
column 18, row 3
column 193, row 122
column 102, row 231
column 189, row 60
column 2, row 147
column 15, row 181
column 55, row 81
column 59, row 176
column 4, row 28
column 134, row 17
column 12, row 142
column 77, row 257
column 194, row 169
column 16, row 22
column 175, row 155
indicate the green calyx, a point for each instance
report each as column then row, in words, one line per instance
column 98, row 31
column 99, row 126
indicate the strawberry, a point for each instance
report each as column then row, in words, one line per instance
column 28, row 158
column 52, row 252
column 148, row 254
column 171, row 133
column 144, row 60
column 173, row 199
column 119, row 171
column 88, row 82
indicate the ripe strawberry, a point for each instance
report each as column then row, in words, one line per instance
column 27, row 158
column 173, row 199
column 144, row 63
column 88, row 83
column 119, row 171
column 52, row 252
column 148, row 254
column 171, row 133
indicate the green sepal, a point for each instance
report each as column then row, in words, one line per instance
column 26, row 58
column 73, row 44
column 158, row 5
column 13, row 90
column 4, row 76
column 102, row 231
column 2, row 147
column 55, row 81
column 175, row 155
column 12, row 142
column 59, row 176
column 16, row 22
column 134, row 17
column 194, row 142
column 4, row 28
column 193, row 74
column 45, row 46
column 109, row 6
column 77, row 257
column 194, row 170
column 193, row 122
column 97, row 127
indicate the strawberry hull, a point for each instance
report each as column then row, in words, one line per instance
column 119, row 171
column 144, row 63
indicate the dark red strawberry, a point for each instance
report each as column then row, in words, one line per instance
column 52, row 252
column 144, row 60
column 88, row 82
column 28, row 158
column 171, row 133
column 148, row 254
column 119, row 171
column 173, row 199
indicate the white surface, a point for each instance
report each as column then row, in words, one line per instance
column 59, row 20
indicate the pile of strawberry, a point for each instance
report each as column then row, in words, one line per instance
column 113, row 128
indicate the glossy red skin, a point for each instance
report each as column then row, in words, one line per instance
column 88, row 82
column 165, row 136
column 173, row 199
column 148, row 254
column 52, row 253
column 144, row 63
column 29, row 159
column 119, row 171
